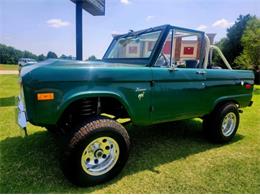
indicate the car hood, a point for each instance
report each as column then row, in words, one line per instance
column 29, row 63
column 72, row 70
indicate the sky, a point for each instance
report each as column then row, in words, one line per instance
column 40, row 26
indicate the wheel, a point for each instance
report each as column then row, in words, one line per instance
column 96, row 152
column 221, row 125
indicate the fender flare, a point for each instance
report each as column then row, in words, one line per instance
column 235, row 99
column 69, row 98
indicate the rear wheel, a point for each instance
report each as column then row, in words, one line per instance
column 96, row 152
column 221, row 125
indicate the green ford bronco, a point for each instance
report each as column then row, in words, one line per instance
column 146, row 77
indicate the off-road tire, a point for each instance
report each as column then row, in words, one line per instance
column 84, row 133
column 212, row 124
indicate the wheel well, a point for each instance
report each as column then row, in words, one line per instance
column 225, row 102
column 220, row 104
column 93, row 106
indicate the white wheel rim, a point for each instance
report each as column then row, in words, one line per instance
column 100, row 156
column 229, row 124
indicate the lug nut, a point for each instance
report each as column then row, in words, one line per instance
column 107, row 147
column 104, row 140
column 96, row 161
column 104, row 156
column 88, row 160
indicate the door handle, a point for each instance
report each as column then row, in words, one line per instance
column 201, row 72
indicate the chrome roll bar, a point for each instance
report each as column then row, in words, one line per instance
column 208, row 49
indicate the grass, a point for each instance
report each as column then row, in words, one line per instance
column 168, row 158
column 8, row 67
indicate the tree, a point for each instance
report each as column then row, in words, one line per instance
column 27, row 54
column 41, row 57
column 231, row 46
column 63, row 56
column 92, row 58
column 10, row 55
column 250, row 57
column 51, row 55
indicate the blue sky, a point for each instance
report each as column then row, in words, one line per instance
column 43, row 25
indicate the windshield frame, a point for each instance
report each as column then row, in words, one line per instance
column 144, row 61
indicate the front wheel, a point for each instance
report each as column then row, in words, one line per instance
column 96, row 153
column 221, row 125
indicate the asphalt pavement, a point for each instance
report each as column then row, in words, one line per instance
column 8, row 72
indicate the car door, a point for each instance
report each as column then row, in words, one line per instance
column 178, row 90
column 177, row 94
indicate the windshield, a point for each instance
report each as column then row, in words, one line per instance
column 133, row 46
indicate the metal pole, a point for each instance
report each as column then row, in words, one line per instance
column 79, row 30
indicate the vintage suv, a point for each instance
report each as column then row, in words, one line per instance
column 151, row 76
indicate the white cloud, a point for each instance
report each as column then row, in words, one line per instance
column 57, row 23
column 126, row 2
column 222, row 23
column 202, row 27
column 149, row 18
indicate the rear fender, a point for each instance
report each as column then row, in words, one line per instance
column 242, row 100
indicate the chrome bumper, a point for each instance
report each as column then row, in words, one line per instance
column 21, row 114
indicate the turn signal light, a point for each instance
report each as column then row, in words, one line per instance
column 45, row 96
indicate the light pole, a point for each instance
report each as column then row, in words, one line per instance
column 79, row 37
column 95, row 8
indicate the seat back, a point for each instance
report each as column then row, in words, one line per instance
column 191, row 63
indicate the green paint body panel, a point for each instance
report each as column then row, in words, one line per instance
column 174, row 95
column 169, row 94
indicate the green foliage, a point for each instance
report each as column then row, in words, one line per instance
column 63, row 56
column 51, row 55
column 41, row 57
column 92, row 58
column 250, row 57
column 10, row 55
column 232, row 46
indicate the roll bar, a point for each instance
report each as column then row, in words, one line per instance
column 209, row 49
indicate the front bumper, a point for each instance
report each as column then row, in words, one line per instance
column 21, row 114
